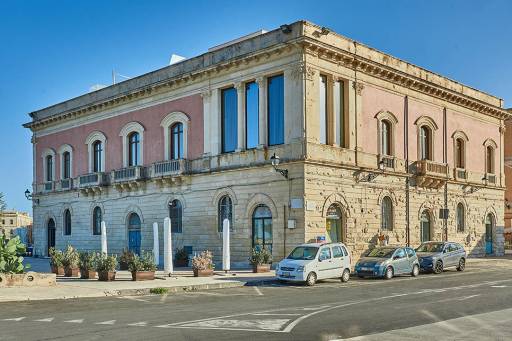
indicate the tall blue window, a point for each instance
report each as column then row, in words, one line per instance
column 229, row 120
column 134, row 149
column 251, row 115
column 177, row 141
column 275, row 110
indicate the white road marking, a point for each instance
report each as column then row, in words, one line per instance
column 132, row 298
column 107, row 322
column 49, row 319
column 17, row 319
column 258, row 291
column 75, row 321
column 138, row 324
column 498, row 286
column 266, row 324
column 456, row 299
column 274, row 314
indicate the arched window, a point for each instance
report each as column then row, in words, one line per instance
column 133, row 149
column 67, row 223
column 225, row 212
column 460, row 217
column 49, row 168
column 262, row 228
column 489, row 159
column 334, row 224
column 66, row 159
column 425, row 226
column 177, row 141
column 97, row 156
column 460, row 150
column 385, row 137
column 425, row 143
column 386, row 222
column 97, row 217
column 176, row 216
column 50, row 234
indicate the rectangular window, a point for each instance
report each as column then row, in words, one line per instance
column 67, row 165
column 229, row 117
column 275, row 98
column 322, row 110
column 251, row 115
column 339, row 112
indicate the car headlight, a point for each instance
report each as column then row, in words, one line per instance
column 277, row 267
column 300, row 268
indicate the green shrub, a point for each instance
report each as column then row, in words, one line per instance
column 71, row 258
column 145, row 262
column 56, row 257
column 87, row 261
column 11, row 261
column 105, row 263
column 125, row 259
column 203, row 261
column 181, row 254
column 260, row 256
column 159, row 291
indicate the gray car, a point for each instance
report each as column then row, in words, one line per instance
column 388, row 261
column 437, row 256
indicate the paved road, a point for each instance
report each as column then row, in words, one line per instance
column 473, row 305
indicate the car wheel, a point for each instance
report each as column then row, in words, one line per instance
column 438, row 267
column 415, row 271
column 389, row 273
column 462, row 265
column 311, row 280
column 345, row 276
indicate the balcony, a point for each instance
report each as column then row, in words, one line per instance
column 92, row 183
column 460, row 174
column 66, row 184
column 49, row 186
column 168, row 171
column 490, row 179
column 128, row 178
column 431, row 174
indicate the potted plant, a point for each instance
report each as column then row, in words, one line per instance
column 125, row 259
column 106, row 267
column 87, row 265
column 11, row 259
column 260, row 260
column 181, row 258
column 56, row 257
column 71, row 261
column 142, row 267
column 202, row 265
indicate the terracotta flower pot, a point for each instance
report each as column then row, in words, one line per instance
column 53, row 269
column 71, row 272
column 203, row 273
column 143, row 275
column 181, row 263
column 87, row 274
column 60, row 271
column 259, row 268
column 107, row 276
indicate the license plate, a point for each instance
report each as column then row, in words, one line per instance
column 285, row 274
column 366, row 269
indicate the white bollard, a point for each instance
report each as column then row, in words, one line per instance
column 156, row 244
column 103, row 238
column 167, row 246
column 226, row 257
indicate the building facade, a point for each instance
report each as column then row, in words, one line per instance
column 11, row 220
column 371, row 147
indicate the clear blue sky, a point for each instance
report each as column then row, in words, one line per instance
column 55, row 50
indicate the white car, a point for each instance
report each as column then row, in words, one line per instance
column 311, row 262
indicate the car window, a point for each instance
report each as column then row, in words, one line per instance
column 325, row 253
column 410, row 252
column 345, row 252
column 400, row 253
column 336, row 252
column 451, row 248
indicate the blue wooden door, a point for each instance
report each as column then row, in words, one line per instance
column 488, row 239
column 134, row 241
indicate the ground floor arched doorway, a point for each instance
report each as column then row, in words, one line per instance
column 50, row 226
column 334, row 224
column 425, row 226
column 262, row 228
column 134, row 235
column 489, row 230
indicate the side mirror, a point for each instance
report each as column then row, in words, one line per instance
column 320, row 259
column 396, row 257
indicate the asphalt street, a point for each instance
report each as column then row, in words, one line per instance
column 472, row 305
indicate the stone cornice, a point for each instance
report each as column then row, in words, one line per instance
column 384, row 72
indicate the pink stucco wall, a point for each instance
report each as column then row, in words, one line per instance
column 375, row 100
column 150, row 118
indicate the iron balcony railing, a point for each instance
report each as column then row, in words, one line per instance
column 169, row 168
column 431, row 168
column 388, row 161
column 66, row 184
column 49, row 186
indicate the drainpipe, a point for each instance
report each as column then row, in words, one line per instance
column 407, row 178
column 445, row 160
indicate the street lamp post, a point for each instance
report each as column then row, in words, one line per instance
column 275, row 162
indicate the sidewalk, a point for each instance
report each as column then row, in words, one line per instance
column 181, row 280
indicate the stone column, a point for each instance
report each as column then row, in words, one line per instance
column 262, row 108
column 293, row 104
column 206, row 95
column 215, row 123
column 240, row 90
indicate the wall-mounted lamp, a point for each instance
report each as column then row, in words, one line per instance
column 275, row 162
column 371, row 176
column 507, row 204
column 29, row 196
